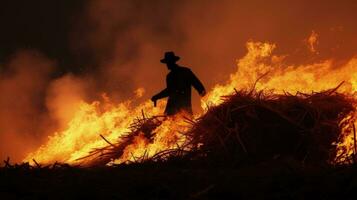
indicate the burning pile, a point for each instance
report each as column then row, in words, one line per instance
column 141, row 128
column 287, row 118
column 250, row 125
column 258, row 125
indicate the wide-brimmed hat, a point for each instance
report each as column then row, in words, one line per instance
column 170, row 57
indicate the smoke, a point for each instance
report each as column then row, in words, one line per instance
column 22, row 86
column 33, row 105
column 126, row 39
column 64, row 96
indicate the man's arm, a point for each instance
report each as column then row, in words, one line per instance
column 164, row 93
column 196, row 83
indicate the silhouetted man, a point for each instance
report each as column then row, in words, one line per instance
column 178, row 86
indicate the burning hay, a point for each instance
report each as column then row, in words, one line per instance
column 141, row 127
column 251, row 125
column 301, row 115
column 260, row 125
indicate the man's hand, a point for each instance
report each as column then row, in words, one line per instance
column 154, row 99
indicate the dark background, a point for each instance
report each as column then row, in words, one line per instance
column 39, row 24
column 50, row 26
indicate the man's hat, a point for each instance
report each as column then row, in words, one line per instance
column 170, row 57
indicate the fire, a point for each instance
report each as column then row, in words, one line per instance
column 168, row 136
column 139, row 92
column 260, row 63
column 348, row 144
column 312, row 41
column 83, row 133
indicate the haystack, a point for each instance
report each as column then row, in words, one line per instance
column 258, row 125
column 253, row 126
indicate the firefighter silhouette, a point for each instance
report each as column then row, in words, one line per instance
column 178, row 86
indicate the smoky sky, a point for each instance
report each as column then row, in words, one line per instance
column 56, row 53
column 56, row 27
column 39, row 24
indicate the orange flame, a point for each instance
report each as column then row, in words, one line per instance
column 139, row 92
column 168, row 136
column 312, row 41
column 112, row 121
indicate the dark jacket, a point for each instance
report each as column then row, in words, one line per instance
column 178, row 89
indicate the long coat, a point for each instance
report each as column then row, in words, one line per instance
column 178, row 89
